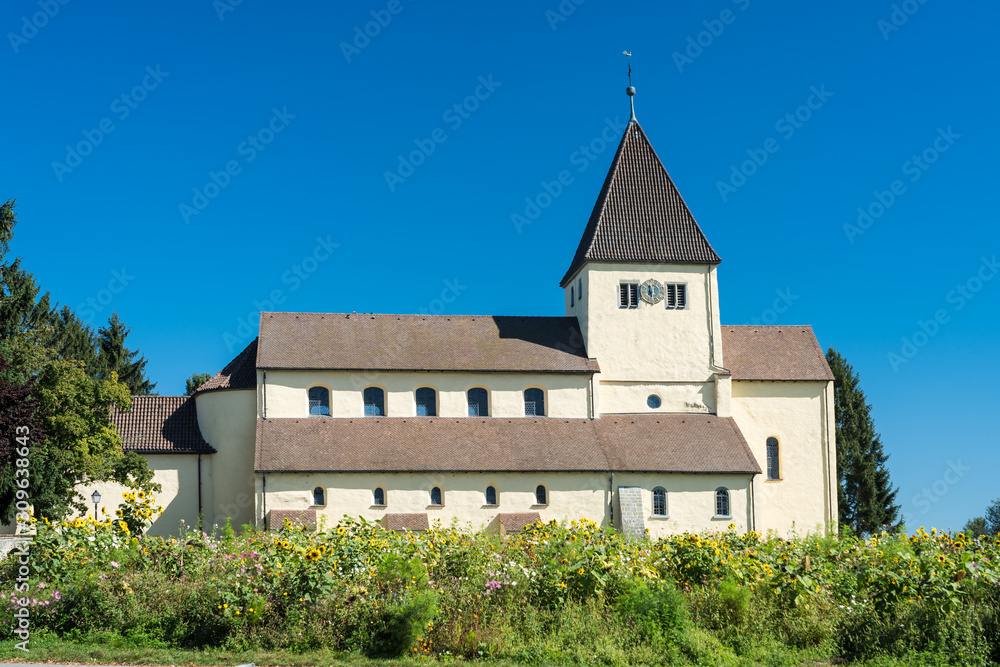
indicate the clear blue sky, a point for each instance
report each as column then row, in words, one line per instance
column 309, row 127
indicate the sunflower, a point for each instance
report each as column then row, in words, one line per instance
column 313, row 554
column 142, row 494
column 118, row 513
column 941, row 558
column 341, row 530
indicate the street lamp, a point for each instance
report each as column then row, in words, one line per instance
column 96, row 497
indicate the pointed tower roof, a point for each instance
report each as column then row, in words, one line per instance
column 640, row 217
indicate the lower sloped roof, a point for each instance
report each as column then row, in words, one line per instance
column 778, row 353
column 653, row 443
column 161, row 425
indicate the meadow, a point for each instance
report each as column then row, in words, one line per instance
column 551, row 594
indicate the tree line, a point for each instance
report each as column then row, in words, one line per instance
column 61, row 379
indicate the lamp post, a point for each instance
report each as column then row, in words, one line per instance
column 96, row 497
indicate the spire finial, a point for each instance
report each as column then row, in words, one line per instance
column 630, row 91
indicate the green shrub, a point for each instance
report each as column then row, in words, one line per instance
column 657, row 612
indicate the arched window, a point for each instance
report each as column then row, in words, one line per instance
column 319, row 497
column 534, row 402
column 659, row 501
column 773, row 468
column 374, row 402
column 478, row 403
column 319, row 402
column 491, row 495
column 426, row 402
column 378, row 496
column 436, row 498
column 541, row 495
column 722, row 502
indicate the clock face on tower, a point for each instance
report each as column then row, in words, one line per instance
column 651, row 291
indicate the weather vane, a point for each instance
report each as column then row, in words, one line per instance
column 630, row 91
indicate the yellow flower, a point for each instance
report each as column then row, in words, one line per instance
column 118, row 513
column 580, row 571
column 341, row 530
column 142, row 494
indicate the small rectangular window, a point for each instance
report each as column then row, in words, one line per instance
column 572, row 300
column 628, row 295
column 579, row 288
column 676, row 296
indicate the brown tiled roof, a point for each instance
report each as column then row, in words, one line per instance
column 515, row 521
column 160, row 425
column 338, row 341
column 773, row 353
column 640, row 216
column 240, row 373
column 411, row 521
column 661, row 443
column 276, row 518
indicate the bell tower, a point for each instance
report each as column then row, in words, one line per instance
column 643, row 286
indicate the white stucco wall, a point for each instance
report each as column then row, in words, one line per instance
column 228, row 422
column 690, row 498
column 631, row 397
column 178, row 475
column 649, row 343
column 797, row 414
column 566, row 394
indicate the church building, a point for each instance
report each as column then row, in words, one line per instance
column 636, row 408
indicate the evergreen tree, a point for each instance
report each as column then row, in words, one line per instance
column 865, row 494
column 196, row 380
column 60, row 380
column 993, row 518
column 976, row 527
column 114, row 357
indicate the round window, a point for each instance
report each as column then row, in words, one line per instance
column 653, row 401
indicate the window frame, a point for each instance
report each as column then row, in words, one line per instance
column 676, row 294
column 322, row 492
column 572, row 297
column 496, row 496
column 485, row 402
column 416, row 402
column 579, row 288
column 364, row 400
column 666, row 510
column 776, row 459
column 524, row 401
column 546, row 500
column 729, row 508
column 375, row 502
column 628, row 295
column 329, row 401
column 440, row 490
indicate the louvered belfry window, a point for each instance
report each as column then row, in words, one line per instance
column 628, row 295
column 676, row 298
